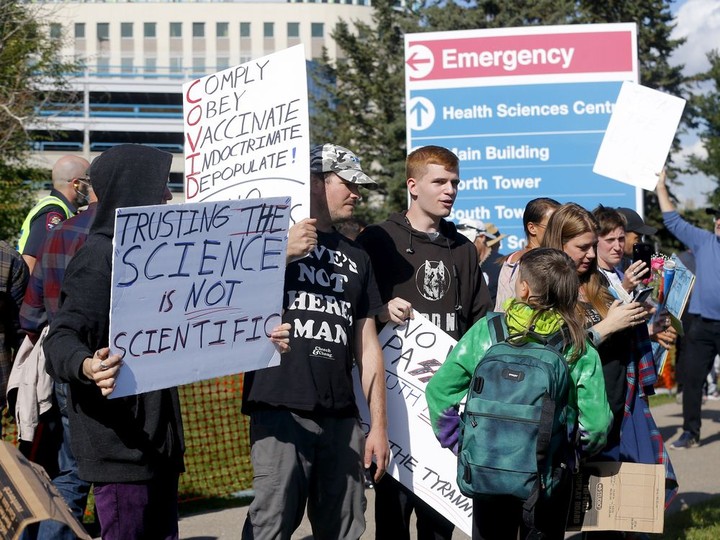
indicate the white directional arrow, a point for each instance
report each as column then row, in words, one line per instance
column 420, row 61
column 421, row 113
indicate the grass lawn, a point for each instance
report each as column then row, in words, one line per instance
column 661, row 399
column 699, row 522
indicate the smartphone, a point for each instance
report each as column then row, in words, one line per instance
column 643, row 252
column 642, row 295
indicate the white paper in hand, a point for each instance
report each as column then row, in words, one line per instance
column 639, row 136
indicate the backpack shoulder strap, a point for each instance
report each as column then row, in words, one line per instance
column 496, row 325
column 558, row 341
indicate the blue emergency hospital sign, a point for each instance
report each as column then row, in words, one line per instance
column 525, row 110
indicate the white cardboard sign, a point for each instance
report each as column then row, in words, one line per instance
column 413, row 353
column 196, row 288
column 639, row 135
column 247, row 132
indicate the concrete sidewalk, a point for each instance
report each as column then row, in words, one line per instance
column 695, row 469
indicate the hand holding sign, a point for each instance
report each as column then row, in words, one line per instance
column 102, row 369
column 302, row 239
column 280, row 336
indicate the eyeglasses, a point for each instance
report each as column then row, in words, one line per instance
column 84, row 180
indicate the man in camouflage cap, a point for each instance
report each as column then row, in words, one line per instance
column 307, row 444
column 326, row 158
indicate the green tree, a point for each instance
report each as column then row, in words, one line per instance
column 655, row 46
column 31, row 73
column 363, row 103
column 706, row 103
column 438, row 16
column 366, row 106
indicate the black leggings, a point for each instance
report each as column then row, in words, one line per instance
column 501, row 518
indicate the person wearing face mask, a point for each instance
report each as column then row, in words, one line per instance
column 39, row 308
column 423, row 263
column 68, row 192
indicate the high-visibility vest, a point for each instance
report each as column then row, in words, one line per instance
column 45, row 201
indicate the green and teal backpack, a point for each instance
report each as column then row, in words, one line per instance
column 514, row 437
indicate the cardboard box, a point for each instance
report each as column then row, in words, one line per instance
column 612, row 496
column 27, row 496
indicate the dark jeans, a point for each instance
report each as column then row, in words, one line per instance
column 68, row 483
column 394, row 504
column 703, row 343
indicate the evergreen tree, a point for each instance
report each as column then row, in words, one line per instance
column 31, row 73
column 494, row 14
column 365, row 104
column 362, row 103
column 655, row 24
column 707, row 106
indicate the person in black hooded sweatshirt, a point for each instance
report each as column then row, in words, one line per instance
column 421, row 262
column 131, row 448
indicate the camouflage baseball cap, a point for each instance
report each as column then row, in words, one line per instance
column 334, row 158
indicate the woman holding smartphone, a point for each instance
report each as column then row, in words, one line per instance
column 610, row 251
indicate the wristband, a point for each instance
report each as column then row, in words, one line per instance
column 594, row 336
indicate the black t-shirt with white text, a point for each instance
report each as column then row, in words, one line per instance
column 325, row 294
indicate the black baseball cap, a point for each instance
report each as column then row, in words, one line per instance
column 634, row 223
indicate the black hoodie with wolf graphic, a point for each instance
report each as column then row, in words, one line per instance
column 439, row 276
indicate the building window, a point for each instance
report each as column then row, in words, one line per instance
column 223, row 62
column 79, row 30
column 268, row 30
column 176, row 64
column 126, row 30
column 103, row 31
column 198, row 65
column 317, row 30
column 198, row 30
column 175, row 29
column 222, row 29
column 293, row 30
column 55, row 30
column 150, row 65
column 245, row 29
column 126, row 65
column 103, row 64
column 150, row 30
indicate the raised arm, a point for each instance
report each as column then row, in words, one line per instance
column 663, row 196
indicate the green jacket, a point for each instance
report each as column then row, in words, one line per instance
column 587, row 401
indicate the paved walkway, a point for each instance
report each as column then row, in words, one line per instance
column 695, row 468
